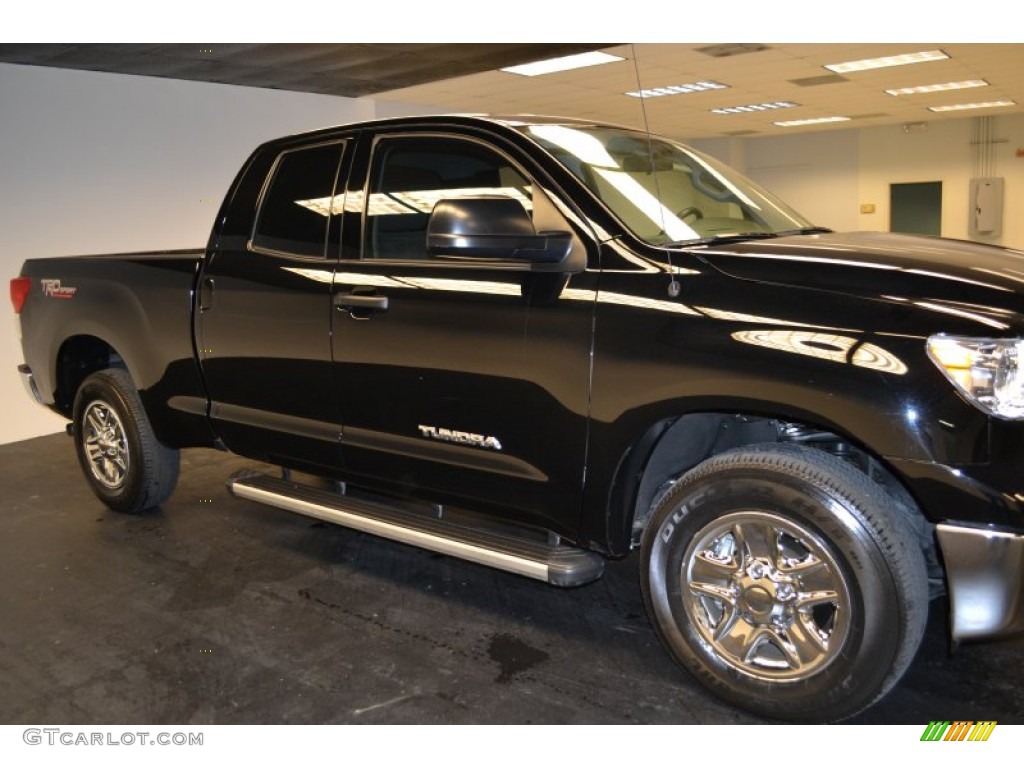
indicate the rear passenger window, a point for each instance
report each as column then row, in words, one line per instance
column 409, row 177
column 297, row 206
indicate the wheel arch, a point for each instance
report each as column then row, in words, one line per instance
column 669, row 447
column 77, row 358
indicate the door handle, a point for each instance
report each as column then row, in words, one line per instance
column 352, row 302
column 206, row 294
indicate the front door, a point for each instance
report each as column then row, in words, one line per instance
column 461, row 381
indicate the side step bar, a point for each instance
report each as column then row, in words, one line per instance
column 556, row 564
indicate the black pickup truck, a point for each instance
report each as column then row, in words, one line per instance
column 540, row 343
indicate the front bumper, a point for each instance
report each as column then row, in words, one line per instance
column 985, row 573
column 979, row 511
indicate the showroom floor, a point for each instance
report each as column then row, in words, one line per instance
column 216, row 610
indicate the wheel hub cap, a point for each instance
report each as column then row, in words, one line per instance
column 767, row 595
column 105, row 444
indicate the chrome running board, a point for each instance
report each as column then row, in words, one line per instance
column 530, row 556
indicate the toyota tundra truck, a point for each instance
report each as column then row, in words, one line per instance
column 538, row 344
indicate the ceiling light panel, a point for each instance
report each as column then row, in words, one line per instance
column 887, row 61
column 976, row 105
column 673, row 90
column 563, row 63
column 937, row 87
column 765, row 107
column 811, row 121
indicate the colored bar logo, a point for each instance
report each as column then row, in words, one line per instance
column 958, row 730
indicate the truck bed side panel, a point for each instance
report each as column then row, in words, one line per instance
column 140, row 305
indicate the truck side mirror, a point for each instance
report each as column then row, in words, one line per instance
column 493, row 227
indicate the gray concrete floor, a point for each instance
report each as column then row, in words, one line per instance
column 216, row 610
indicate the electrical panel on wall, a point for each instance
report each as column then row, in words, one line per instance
column 986, row 214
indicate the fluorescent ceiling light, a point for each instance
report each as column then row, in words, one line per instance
column 562, row 63
column 937, row 87
column 811, row 121
column 977, row 105
column 767, row 106
column 887, row 61
column 672, row 90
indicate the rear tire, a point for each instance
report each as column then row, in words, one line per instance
column 786, row 581
column 127, row 468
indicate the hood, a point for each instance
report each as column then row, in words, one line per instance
column 979, row 278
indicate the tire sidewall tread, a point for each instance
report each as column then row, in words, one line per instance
column 870, row 540
column 153, row 467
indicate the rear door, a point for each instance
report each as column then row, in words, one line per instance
column 471, row 385
column 265, row 310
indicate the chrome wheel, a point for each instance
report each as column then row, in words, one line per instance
column 786, row 581
column 767, row 595
column 106, row 445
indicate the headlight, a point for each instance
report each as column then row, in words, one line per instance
column 988, row 371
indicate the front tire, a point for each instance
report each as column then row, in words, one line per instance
column 127, row 468
column 786, row 581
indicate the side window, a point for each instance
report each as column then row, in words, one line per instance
column 295, row 210
column 410, row 175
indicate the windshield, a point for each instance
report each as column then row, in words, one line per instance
column 664, row 192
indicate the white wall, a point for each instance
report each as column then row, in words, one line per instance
column 943, row 153
column 812, row 173
column 98, row 163
column 817, row 174
column 828, row 175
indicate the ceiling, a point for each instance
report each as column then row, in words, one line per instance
column 349, row 69
column 464, row 77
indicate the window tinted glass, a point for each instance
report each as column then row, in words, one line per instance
column 297, row 206
column 410, row 176
column 663, row 191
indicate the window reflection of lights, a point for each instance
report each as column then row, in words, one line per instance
column 582, row 145
column 826, row 346
column 413, row 201
column 325, row 206
column 423, row 201
column 350, row 203
column 961, row 313
column 354, row 202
